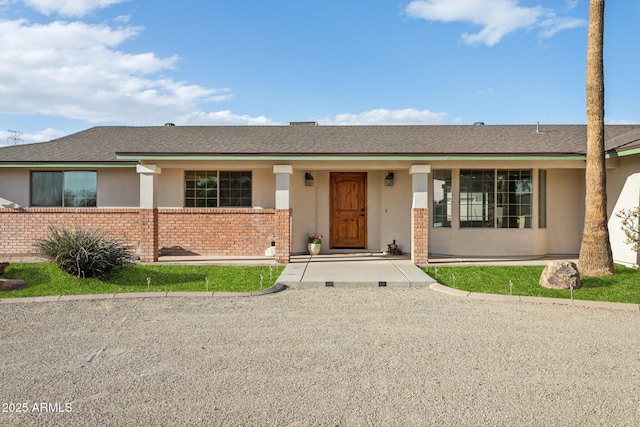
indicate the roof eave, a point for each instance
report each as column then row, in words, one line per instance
column 344, row 156
column 60, row 164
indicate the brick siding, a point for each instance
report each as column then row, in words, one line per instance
column 420, row 236
column 283, row 236
column 234, row 232
column 20, row 229
column 226, row 232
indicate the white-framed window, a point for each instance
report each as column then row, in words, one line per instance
column 499, row 198
column 77, row 189
column 477, row 198
column 514, row 198
column 210, row 189
column 442, row 198
column 542, row 198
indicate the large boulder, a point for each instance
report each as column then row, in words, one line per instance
column 560, row 275
column 9, row 284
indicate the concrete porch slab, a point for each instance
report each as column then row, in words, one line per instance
column 353, row 271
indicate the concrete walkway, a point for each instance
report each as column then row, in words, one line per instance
column 360, row 270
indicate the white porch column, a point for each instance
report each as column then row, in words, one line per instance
column 420, row 185
column 283, row 212
column 420, row 214
column 283, row 183
column 148, row 185
column 149, row 237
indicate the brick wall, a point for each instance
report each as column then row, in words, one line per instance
column 420, row 236
column 149, row 249
column 21, row 228
column 234, row 232
column 283, row 235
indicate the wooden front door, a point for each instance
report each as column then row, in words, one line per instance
column 348, row 210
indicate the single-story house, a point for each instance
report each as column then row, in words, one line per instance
column 460, row 190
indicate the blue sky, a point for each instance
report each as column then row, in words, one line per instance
column 67, row 65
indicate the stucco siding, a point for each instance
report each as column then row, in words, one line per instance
column 374, row 187
column 171, row 186
column 623, row 192
column 307, row 208
column 118, row 188
column 565, row 210
column 388, row 209
column 264, row 188
column 14, row 191
column 395, row 211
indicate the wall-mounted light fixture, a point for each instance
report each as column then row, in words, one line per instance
column 308, row 180
column 388, row 180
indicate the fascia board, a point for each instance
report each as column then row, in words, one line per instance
column 364, row 158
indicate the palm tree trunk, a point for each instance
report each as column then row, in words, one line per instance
column 595, row 252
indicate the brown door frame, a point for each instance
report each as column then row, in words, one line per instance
column 360, row 214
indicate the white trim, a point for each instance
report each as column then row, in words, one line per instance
column 148, row 169
column 288, row 169
column 419, row 169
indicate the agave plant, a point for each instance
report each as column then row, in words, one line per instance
column 84, row 252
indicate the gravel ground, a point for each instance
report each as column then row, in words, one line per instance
column 318, row 357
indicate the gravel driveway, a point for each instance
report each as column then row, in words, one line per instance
column 318, row 357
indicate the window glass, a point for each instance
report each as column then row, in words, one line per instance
column 64, row 189
column 442, row 198
column 542, row 199
column 80, row 189
column 46, row 189
column 235, row 189
column 514, row 198
column 477, row 198
column 201, row 189
column 210, row 189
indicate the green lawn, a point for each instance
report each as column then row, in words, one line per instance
column 623, row 286
column 47, row 279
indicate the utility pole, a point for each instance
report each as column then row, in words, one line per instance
column 15, row 137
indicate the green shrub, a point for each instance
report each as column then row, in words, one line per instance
column 84, row 252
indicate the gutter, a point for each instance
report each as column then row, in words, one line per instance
column 612, row 154
column 347, row 157
column 45, row 165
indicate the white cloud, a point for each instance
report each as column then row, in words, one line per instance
column 69, row 8
column 621, row 122
column 408, row 116
column 553, row 25
column 571, row 4
column 74, row 70
column 496, row 17
column 482, row 92
column 225, row 117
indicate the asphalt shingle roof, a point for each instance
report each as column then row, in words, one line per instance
column 104, row 143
